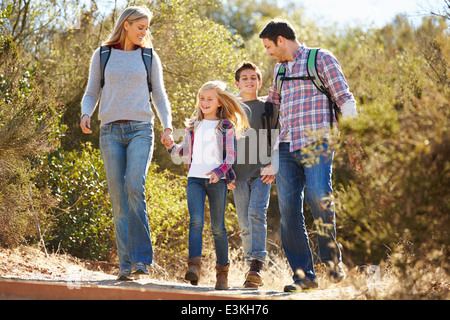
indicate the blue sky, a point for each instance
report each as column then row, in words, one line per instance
column 369, row 13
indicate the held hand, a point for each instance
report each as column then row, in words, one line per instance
column 85, row 124
column 214, row 178
column 167, row 138
column 267, row 174
column 231, row 186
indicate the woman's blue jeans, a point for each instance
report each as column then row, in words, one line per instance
column 127, row 150
column 296, row 181
column 197, row 190
column 251, row 197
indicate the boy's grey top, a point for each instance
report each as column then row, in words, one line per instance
column 125, row 95
column 253, row 150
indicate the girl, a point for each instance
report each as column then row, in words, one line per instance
column 126, row 131
column 209, row 144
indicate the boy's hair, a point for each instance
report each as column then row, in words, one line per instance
column 247, row 65
column 230, row 109
column 276, row 28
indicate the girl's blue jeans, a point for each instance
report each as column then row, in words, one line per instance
column 127, row 150
column 296, row 181
column 197, row 190
column 251, row 197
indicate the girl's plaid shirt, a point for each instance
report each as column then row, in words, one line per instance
column 226, row 140
column 303, row 107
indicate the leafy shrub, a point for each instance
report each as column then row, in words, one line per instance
column 81, row 223
column 29, row 125
column 396, row 206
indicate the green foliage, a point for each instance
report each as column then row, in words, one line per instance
column 81, row 223
column 399, row 195
column 167, row 213
column 29, row 126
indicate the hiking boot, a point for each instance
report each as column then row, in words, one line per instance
column 222, row 277
column 302, row 285
column 336, row 274
column 139, row 268
column 193, row 273
column 253, row 278
column 124, row 275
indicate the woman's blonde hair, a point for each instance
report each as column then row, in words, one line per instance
column 230, row 107
column 130, row 14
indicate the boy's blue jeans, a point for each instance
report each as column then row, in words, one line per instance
column 295, row 182
column 127, row 150
column 197, row 190
column 251, row 197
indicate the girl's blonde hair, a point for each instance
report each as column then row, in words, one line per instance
column 130, row 14
column 230, row 108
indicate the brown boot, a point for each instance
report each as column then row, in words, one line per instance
column 253, row 278
column 193, row 273
column 222, row 277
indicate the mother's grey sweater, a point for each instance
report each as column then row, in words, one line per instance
column 125, row 95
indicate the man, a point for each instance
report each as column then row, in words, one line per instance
column 254, row 175
column 305, row 110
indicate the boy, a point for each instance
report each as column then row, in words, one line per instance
column 254, row 175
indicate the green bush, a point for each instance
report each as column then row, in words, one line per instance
column 81, row 223
column 396, row 207
column 29, row 126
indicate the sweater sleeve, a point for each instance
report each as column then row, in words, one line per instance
column 92, row 94
column 159, row 95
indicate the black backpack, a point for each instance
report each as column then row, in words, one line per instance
column 267, row 122
column 147, row 54
column 313, row 76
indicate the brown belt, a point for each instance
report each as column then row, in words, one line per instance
column 121, row 121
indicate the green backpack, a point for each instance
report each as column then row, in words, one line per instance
column 147, row 54
column 313, row 76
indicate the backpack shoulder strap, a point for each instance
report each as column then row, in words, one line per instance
column 314, row 74
column 280, row 77
column 312, row 70
column 147, row 55
column 105, row 52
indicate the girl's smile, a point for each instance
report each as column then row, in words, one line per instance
column 209, row 104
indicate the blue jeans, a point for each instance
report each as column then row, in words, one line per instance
column 127, row 150
column 197, row 190
column 296, row 181
column 251, row 197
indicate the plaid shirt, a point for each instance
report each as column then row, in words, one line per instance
column 226, row 140
column 303, row 107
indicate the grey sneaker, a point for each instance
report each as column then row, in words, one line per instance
column 125, row 275
column 139, row 268
column 301, row 285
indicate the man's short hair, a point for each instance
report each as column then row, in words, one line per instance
column 276, row 28
column 247, row 65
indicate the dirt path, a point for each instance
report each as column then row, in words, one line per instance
column 24, row 268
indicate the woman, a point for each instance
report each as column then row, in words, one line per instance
column 126, row 131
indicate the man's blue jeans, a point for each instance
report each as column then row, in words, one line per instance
column 127, row 150
column 296, row 181
column 251, row 197
column 197, row 190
